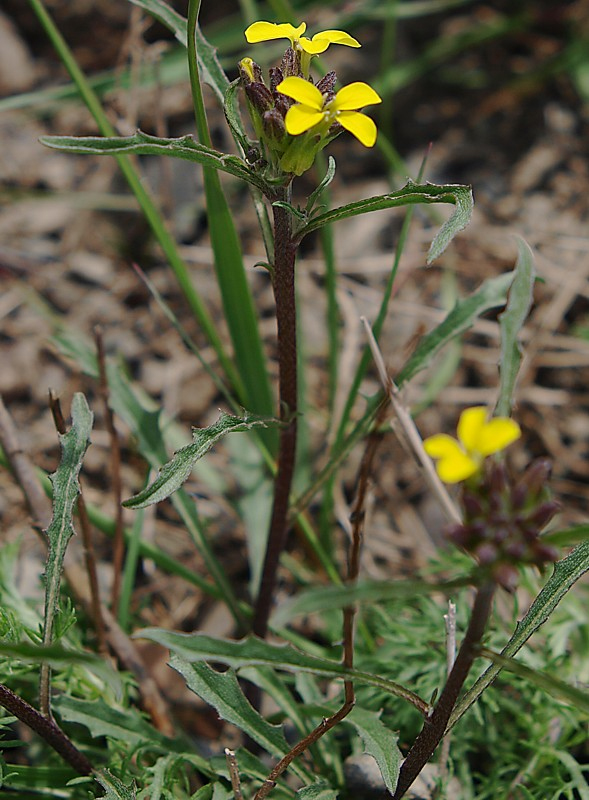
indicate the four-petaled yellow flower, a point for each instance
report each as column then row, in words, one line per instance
column 313, row 109
column 265, row 31
column 478, row 437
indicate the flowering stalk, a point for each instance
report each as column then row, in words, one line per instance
column 284, row 296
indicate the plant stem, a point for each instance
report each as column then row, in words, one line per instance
column 435, row 727
column 46, row 728
column 284, row 296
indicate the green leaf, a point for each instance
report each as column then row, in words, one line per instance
column 57, row 656
column 173, row 474
column 184, row 147
column 224, row 694
column 115, row 788
column 329, row 176
column 66, row 489
column 512, row 321
column 566, row 573
column 380, row 742
column 317, row 791
column 554, row 686
column 251, row 651
column 460, row 196
column 492, row 293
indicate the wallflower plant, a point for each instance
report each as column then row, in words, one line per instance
column 291, row 117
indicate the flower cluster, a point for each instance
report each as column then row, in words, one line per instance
column 502, row 518
column 294, row 118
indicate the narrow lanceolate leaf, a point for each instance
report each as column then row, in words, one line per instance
column 115, row 788
column 380, row 742
column 554, row 686
column 224, row 694
column 65, row 493
column 512, row 321
column 493, row 293
column 412, row 193
column 196, row 647
column 143, row 144
column 566, row 573
column 173, row 474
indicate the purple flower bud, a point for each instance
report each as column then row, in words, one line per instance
column 276, row 77
column 326, row 84
column 536, row 477
column 515, row 549
column 486, row 554
column 542, row 515
column 283, row 103
column 250, row 72
column 273, row 125
column 458, row 534
column 291, row 64
column 544, row 553
column 472, row 505
column 260, row 97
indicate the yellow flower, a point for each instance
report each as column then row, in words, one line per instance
column 265, row 31
column 478, row 438
column 314, row 109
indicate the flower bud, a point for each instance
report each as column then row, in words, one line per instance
column 542, row 515
column 260, row 97
column 326, row 84
column 273, row 124
column 276, row 77
column 249, row 71
column 291, row 64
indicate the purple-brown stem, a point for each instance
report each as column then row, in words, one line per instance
column 435, row 727
column 284, row 296
column 46, row 728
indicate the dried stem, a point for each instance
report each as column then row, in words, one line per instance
column 284, row 295
column 435, row 727
column 115, row 465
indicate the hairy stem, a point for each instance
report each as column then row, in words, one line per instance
column 284, row 295
column 46, row 728
column 435, row 727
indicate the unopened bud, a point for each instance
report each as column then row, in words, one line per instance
column 291, row 64
column 486, row 554
column 273, row 123
column 542, row 515
column 536, row 477
column 276, row 78
column 260, row 97
column 472, row 505
column 249, row 71
column 327, row 83
column 506, row 575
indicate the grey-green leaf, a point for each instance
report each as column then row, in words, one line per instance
column 412, row 193
column 566, row 573
column 173, row 474
column 554, row 686
column 251, row 651
column 115, row 788
column 492, row 293
column 380, row 742
column 317, row 791
column 184, row 147
column 224, row 694
column 65, row 493
column 512, row 321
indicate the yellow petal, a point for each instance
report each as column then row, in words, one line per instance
column 300, row 118
column 302, row 91
column 360, row 125
column 355, row 96
column 265, row 31
column 497, row 434
column 337, row 37
column 470, row 425
column 313, row 46
column 456, row 469
column 440, row 445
